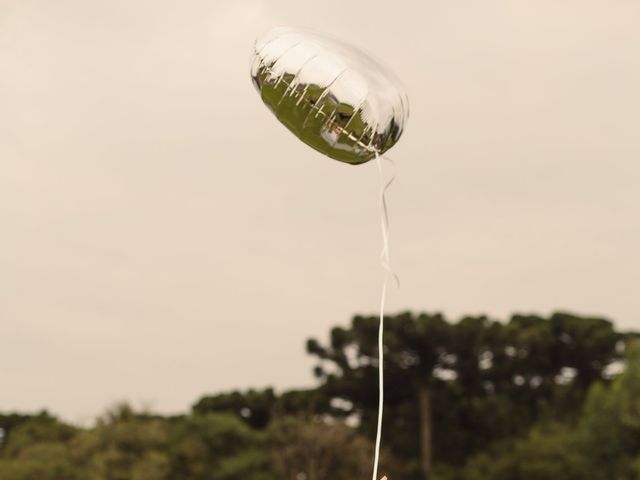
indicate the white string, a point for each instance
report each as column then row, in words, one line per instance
column 384, row 259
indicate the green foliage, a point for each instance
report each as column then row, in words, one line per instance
column 254, row 406
column 477, row 381
column 36, row 430
column 610, row 426
column 125, row 445
column 602, row 443
column 217, row 447
column 258, row 407
column 40, row 461
column 529, row 399
column 548, row 451
column 318, row 450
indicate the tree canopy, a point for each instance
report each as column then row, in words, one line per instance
column 476, row 399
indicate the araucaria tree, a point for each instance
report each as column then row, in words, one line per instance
column 446, row 380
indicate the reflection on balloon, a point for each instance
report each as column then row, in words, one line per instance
column 330, row 95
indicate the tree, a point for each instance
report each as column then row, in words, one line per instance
column 610, row 425
column 485, row 380
column 36, row 449
column 550, row 450
column 316, row 450
column 474, row 399
column 417, row 361
column 255, row 407
column 38, row 429
column 9, row 421
column 217, row 446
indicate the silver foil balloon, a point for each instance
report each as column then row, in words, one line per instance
column 329, row 94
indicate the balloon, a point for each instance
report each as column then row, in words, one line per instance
column 330, row 95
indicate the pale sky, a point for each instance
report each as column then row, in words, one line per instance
column 162, row 236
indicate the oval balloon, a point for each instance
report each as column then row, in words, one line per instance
column 331, row 95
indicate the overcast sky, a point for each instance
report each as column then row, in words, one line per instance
column 163, row 236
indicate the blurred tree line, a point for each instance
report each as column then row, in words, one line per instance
column 530, row 399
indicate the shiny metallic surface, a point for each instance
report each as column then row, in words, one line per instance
column 332, row 96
